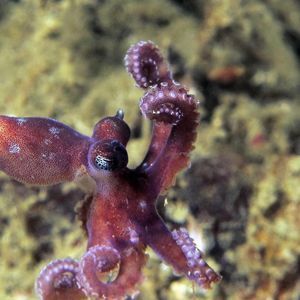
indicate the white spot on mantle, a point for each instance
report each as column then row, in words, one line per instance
column 14, row 148
column 143, row 205
column 54, row 130
column 21, row 121
column 47, row 141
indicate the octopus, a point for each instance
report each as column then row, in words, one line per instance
column 121, row 218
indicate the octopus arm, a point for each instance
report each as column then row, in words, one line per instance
column 41, row 151
column 160, row 135
column 171, row 108
column 58, row 281
column 178, row 249
column 99, row 261
column 175, row 117
column 147, row 65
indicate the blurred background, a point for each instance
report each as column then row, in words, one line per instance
column 241, row 197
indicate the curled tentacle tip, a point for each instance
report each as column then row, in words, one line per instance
column 99, row 267
column 169, row 103
column 106, row 273
column 198, row 270
column 58, row 279
column 146, row 64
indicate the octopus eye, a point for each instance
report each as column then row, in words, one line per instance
column 103, row 163
column 108, row 155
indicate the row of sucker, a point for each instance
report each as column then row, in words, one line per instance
column 90, row 277
column 198, row 270
column 146, row 65
column 167, row 102
column 98, row 268
column 58, row 276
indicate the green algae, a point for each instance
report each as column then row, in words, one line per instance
column 240, row 198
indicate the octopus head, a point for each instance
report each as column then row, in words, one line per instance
column 114, row 128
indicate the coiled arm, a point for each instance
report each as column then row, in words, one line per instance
column 171, row 108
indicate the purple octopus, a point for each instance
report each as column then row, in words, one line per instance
column 120, row 219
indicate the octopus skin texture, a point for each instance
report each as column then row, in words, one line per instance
column 121, row 219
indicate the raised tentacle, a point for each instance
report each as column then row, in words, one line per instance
column 172, row 109
column 175, row 112
column 178, row 250
column 160, row 135
column 41, row 150
column 58, row 281
column 108, row 274
column 146, row 65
